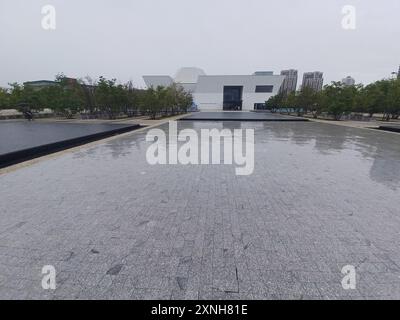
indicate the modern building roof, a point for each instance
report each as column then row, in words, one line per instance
column 188, row 75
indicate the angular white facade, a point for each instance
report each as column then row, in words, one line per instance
column 158, row 81
column 210, row 93
column 224, row 92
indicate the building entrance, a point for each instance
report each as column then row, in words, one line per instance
column 233, row 100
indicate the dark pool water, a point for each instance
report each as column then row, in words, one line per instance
column 20, row 135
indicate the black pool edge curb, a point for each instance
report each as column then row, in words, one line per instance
column 389, row 129
column 16, row 157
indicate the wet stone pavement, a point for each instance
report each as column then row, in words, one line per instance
column 321, row 197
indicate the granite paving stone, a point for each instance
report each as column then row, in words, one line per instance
column 114, row 227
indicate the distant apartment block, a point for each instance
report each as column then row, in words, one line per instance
column 290, row 83
column 41, row 84
column 349, row 81
column 313, row 80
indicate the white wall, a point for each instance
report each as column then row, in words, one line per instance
column 208, row 93
column 155, row 81
column 209, row 90
column 209, row 101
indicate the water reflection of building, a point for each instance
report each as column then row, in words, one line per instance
column 385, row 168
column 382, row 154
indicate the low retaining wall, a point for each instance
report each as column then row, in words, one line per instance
column 395, row 128
column 244, row 120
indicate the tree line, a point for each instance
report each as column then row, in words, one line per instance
column 103, row 98
column 336, row 100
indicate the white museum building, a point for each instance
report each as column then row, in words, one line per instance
column 223, row 92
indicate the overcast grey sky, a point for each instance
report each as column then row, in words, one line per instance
column 128, row 38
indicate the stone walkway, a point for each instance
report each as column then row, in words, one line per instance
column 321, row 197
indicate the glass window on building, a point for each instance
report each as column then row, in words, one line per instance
column 264, row 89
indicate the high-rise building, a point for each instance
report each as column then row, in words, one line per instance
column 290, row 83
column 313, row 80
column 349, row 81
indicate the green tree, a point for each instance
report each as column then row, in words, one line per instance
column 392, row 101
column 167, row 100
column 15, row 94
column 368, row 100
column 185, row 100
column 178, row 99
column 88, row 93
column 275, row 103
column 25, row 97
column 306, row 100
column 338, row 99
column 66, row 97
column 317, row 107
column 133, row 97
column 4, row 98
column 107, row 96
column 150, row 103
column 291, row 101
